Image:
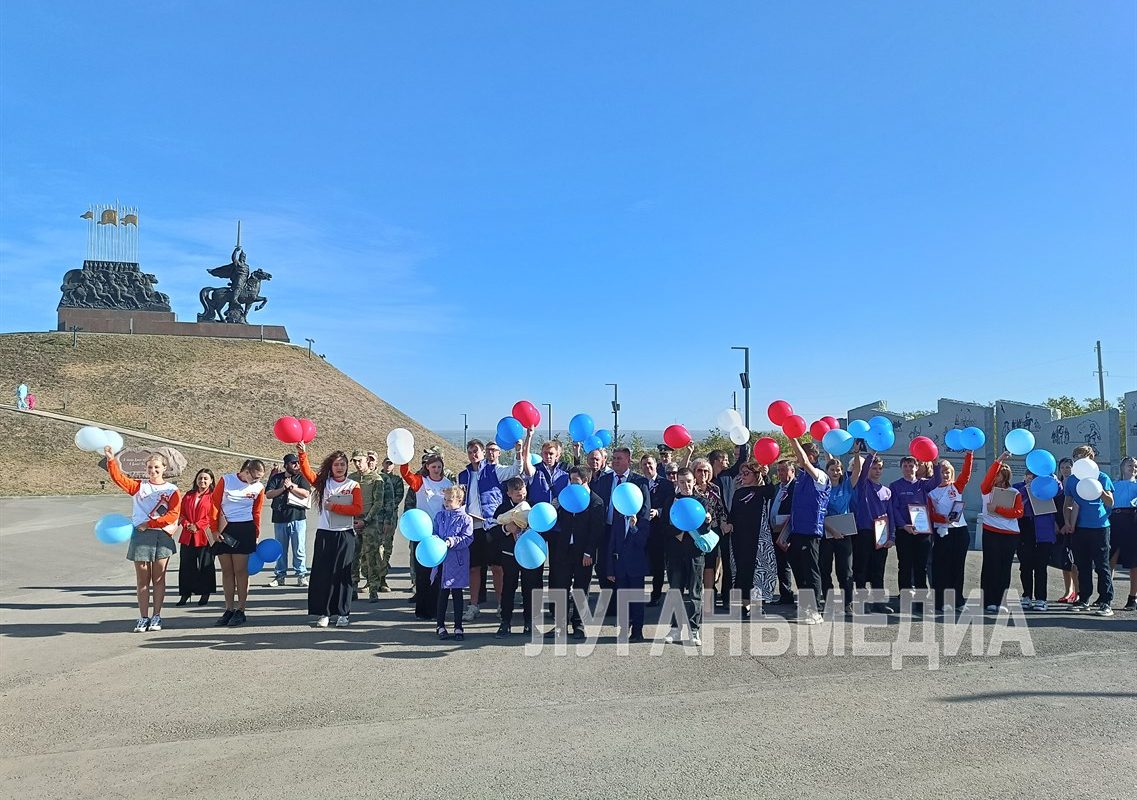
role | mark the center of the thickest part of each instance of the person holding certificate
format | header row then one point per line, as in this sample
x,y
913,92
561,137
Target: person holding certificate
x,y
874,534
840,528
1002,509
952,539
1038,532
908,510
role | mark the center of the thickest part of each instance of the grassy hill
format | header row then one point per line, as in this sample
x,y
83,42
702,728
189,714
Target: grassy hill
x,y
216,392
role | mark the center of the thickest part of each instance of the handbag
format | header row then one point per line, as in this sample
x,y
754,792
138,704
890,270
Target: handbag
x,y
298,502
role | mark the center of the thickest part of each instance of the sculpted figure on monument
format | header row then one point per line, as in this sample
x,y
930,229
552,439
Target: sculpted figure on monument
x,y
233,303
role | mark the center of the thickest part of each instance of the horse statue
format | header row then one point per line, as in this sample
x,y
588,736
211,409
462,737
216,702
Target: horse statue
x,y
234,302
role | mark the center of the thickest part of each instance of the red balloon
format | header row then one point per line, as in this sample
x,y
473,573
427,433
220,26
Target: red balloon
x,y
794,426
818,430
526,413
766,451
307,430
831,422
288,430
779,410
923,449
676,437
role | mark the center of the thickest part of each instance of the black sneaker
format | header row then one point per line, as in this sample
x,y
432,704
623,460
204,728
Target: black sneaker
x,y
528,629
238,619
228,615
1130,604
578,634
502,631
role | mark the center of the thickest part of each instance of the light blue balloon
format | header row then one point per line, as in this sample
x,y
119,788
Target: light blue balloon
x,y
581,427
415,524
605,436
269,550
1019,442
1044,487
858,428
256,563
431,551
687,514
972,438
880,439
883,423
113,529
542,517
1041,463
509,429
504,442
574,498
837,442
628,499
592,443
954,439
534,459
530,550
707,542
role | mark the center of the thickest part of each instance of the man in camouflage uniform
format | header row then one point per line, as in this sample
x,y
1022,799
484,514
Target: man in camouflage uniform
x,y
382,518
364,475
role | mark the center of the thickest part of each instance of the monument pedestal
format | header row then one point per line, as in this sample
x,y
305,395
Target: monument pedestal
x,y
161,323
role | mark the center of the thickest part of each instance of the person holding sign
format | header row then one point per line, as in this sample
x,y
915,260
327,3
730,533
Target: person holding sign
x,y
874,534
1038,532
908,510
1002,509
952,539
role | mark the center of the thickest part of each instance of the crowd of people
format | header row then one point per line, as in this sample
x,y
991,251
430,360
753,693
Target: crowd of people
x,y
806,530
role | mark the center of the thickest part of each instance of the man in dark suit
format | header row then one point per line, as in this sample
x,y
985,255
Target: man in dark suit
x,y
625,561
662,493
572,553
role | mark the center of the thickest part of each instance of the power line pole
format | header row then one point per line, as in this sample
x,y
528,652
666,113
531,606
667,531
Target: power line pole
x,y
1101,378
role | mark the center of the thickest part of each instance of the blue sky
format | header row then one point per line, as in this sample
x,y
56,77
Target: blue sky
x,y
884,200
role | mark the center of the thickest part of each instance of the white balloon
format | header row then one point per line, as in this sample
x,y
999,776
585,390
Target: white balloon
x,y
1086,468
91,439
114,439
401,436
728,419
740,434
400,453
1089,488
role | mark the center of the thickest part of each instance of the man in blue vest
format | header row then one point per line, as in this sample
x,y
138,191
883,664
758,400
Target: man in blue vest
x,y
482,479
624,556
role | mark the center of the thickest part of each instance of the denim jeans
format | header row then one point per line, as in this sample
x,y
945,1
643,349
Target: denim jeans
x,y
291,533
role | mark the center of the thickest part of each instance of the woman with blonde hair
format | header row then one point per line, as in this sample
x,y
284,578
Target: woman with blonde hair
x,y
237,502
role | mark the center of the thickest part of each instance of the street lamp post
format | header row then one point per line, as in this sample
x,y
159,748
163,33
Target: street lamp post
x,y
465,428
744,376
550,419
615,410
310,343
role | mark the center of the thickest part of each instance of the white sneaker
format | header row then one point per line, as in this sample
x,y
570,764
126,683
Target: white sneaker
x,y
812,618
156,622
140,626
1004,610
992,609
277,581
322,622
695,640
1026,603
303,581
673,637
1040,605
1104,610
342,621
471,613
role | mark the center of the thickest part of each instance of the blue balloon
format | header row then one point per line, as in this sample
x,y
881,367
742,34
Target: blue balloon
x,y
1041,463
416,525
534,459
574,498
113,529
256,563
431,551
542,517
972,438
858,428
880,422
880,439
592,443
837,442
530,550
1044,487
706,542
581,427
1019,442
954,439
605,436
509,430
628,499
269,550
687,514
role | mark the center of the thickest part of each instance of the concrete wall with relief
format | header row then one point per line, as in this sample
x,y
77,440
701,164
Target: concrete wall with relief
x,y
1131,423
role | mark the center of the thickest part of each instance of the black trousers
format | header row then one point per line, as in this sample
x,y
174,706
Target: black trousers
x,y
868,561
1091,554
912,559
949,558
998,556
530,579
656,556
837,553
685,573
426,591
803,555
1034,558
329,583
745,544
729,579
601,568
566,572
445,595
196,571
785,576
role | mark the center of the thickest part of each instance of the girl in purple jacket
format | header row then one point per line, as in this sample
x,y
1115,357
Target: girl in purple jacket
x,y
455,527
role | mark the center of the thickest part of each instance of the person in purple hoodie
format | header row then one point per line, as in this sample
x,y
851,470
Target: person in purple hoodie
x,y
1038,533
455,527
870,507
912,548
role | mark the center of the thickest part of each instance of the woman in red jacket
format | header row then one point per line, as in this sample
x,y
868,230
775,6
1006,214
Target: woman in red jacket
x,y
196,571
1000,520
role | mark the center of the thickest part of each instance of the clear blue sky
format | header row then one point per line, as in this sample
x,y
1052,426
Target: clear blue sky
x,y
935,199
